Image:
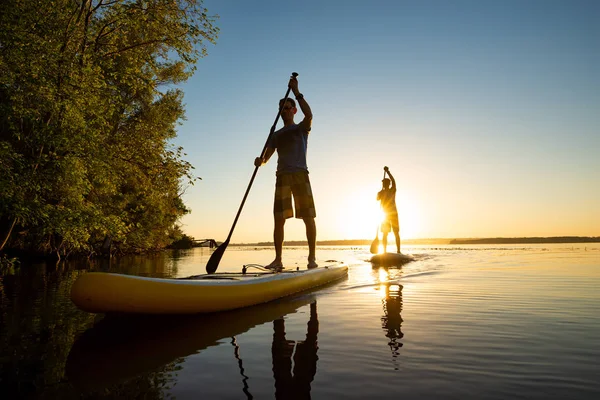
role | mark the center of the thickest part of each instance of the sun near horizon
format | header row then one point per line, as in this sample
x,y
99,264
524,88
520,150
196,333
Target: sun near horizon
x,y
359,215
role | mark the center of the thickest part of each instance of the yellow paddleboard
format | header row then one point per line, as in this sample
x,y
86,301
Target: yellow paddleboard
x,y
99,292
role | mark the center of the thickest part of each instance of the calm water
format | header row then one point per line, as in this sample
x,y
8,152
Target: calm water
x,y
461,322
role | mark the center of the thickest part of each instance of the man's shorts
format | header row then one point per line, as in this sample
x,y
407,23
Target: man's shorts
x,y
390,223
294,184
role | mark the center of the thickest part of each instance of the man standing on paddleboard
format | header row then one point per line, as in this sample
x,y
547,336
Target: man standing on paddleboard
x,y
387,197
291,143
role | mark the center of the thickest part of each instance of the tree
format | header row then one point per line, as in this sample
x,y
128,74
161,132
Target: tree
x,y
87,111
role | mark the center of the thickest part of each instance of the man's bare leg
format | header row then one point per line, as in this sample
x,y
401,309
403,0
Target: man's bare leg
x,y
311,237
278,241
384,241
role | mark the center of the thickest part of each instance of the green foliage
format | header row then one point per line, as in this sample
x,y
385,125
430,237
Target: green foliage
x,y
180,240
8,265
87,111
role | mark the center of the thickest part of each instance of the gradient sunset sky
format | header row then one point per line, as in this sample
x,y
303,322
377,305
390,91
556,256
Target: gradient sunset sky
x,y
486,112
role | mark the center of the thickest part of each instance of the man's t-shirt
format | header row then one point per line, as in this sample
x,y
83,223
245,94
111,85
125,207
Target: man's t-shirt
x,y
291,143
388,200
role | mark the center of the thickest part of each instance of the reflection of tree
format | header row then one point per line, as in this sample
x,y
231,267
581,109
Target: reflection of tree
x,y
295,384
160,265
38,327
391,321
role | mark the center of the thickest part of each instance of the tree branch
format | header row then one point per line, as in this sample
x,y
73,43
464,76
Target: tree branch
x,y
8,233
133,46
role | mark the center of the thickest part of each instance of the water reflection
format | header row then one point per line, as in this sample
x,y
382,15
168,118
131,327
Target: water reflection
x,y
159,265
37,325
294,382
123,353
391,320
120,347
236,353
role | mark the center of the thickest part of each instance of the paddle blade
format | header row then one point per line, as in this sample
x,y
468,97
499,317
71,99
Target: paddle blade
x,y
375,246
215,258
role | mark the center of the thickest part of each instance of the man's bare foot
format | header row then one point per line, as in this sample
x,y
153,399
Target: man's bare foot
x,y
276,265
312,264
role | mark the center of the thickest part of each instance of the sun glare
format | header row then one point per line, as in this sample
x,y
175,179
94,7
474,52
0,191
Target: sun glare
x,y
360,216
383,275
409,216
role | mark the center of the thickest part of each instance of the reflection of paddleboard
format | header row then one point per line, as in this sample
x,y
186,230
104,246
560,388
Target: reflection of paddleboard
x,y
391,259
99,292
119,347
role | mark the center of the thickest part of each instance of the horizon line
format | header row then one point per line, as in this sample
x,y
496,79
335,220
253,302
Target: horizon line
x,y
469,240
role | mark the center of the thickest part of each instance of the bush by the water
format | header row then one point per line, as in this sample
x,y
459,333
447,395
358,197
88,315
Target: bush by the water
x,y
87,111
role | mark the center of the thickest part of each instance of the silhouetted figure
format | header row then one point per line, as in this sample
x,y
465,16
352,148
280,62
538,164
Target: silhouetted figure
x,y
291,143
296,384
387,197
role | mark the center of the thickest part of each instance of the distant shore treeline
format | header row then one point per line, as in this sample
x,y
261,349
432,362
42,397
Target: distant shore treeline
x,y
498,240
88,106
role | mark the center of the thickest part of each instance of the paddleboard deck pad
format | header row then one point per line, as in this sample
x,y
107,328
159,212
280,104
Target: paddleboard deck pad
x,y
100,292
391,259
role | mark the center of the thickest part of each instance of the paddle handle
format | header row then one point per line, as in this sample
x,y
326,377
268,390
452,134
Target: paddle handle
x,y
287,94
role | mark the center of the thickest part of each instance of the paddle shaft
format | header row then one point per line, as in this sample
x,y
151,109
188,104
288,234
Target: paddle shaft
x,y
375,242
378,225
384,172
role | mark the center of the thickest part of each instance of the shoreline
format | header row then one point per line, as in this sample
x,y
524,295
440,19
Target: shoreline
x,y
441,241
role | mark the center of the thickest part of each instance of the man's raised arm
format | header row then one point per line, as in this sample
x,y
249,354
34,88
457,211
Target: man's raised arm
x,y
391,177
307,121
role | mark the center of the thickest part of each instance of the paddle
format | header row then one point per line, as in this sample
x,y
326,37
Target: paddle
x,y
215,258
375,245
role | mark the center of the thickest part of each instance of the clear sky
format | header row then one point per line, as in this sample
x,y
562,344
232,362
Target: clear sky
x,y
486,112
